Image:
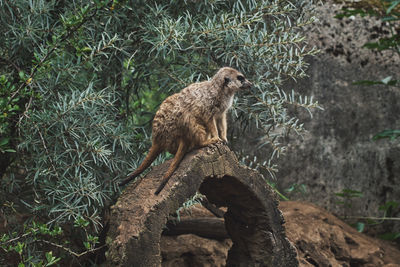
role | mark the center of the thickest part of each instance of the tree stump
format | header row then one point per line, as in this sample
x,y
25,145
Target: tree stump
x,y
253,220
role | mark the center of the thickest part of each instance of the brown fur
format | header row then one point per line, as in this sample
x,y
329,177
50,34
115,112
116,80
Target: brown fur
x,y
192,118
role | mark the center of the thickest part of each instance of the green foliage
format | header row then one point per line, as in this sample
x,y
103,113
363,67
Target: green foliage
x,y
391,134
384,43
81,80
385,81
186,206
389,236
301,188
41,236
293,189
348,12
75,140
282,196
347,196
388,208
10,108
33,234
360,226
387,11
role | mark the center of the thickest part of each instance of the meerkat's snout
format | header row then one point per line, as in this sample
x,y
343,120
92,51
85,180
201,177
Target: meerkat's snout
x,y
245,84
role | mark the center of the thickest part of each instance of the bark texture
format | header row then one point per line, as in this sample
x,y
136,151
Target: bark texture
x,y
253,220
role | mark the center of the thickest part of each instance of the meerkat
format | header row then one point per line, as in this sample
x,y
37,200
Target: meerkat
x,y
191,119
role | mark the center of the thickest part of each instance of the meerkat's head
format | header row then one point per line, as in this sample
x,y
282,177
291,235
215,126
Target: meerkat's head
x,y
231,80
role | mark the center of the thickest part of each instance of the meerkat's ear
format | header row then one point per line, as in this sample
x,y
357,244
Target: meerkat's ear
x,y
226,80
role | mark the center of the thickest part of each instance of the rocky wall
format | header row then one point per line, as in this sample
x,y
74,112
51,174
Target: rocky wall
x,y
338,152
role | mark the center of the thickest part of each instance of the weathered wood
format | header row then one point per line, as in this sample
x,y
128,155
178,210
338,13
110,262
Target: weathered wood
x,y
212,208
207,227
253,220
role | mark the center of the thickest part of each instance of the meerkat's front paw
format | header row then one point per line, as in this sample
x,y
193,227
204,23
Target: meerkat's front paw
x,y
211,141
224,140
215,140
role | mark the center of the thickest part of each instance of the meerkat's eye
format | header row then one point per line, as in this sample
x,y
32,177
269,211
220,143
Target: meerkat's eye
x,y
240,78
227,80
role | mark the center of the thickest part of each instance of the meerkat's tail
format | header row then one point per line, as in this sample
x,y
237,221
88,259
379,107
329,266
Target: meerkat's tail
x,y
154,151
180,153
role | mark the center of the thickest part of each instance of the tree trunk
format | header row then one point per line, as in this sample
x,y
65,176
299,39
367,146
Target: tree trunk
x,y
253,220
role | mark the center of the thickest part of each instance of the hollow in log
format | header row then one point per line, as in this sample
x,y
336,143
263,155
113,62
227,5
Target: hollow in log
x,y
212,228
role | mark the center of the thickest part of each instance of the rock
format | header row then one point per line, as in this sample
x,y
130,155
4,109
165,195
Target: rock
x,y
337,152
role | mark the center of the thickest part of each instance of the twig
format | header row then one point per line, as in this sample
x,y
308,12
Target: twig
x,y
69,250
25,114
17,238
54,244
373,218
47,151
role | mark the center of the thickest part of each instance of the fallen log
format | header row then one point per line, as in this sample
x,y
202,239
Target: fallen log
x,y
253,220
207,227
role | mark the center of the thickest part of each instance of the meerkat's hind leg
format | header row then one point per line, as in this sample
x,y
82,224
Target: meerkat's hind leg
x,y
203,136
180,153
